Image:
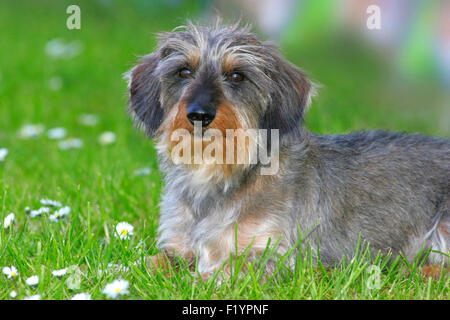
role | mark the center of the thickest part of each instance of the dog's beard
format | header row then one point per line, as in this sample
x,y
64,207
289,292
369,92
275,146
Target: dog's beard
x,y
210,156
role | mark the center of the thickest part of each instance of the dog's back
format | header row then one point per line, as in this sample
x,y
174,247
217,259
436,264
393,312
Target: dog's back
x,y
391,188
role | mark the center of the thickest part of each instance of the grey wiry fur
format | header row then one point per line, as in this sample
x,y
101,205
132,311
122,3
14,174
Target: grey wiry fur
x,y
390,189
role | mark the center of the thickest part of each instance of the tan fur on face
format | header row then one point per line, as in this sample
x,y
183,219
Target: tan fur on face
x,y
193,58
226,119
229,64
181,121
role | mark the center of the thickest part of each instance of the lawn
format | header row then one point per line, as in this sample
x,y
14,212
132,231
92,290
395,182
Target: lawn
x,y
105,184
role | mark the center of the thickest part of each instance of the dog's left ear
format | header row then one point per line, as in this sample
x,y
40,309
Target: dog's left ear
x,y
289,98
144,90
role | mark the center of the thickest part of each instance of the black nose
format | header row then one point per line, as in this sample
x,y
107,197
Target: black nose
x,y
196,112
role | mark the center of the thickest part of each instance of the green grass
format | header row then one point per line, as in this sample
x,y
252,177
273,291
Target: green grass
x,y
98,183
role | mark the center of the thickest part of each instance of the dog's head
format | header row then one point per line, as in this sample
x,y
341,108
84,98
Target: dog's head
x,y
222,77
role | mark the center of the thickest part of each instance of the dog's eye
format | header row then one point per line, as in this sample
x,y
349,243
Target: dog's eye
x,y
185,73
236,77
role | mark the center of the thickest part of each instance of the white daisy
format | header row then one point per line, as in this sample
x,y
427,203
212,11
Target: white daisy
x,y
13,294
56,133
10,272
72,143
106,138
60,214
89,120
34,297
32,281
30,131
73,49
116,288
50,203
58,49
38,212
54,217
59,273
142,172
82,296
9,219
64,211
55,48
3,154
124,230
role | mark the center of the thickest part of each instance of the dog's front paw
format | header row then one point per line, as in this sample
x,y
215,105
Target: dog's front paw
x,y
159,263
434,271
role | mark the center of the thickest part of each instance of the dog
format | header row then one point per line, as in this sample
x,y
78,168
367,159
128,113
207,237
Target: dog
x,y
389,190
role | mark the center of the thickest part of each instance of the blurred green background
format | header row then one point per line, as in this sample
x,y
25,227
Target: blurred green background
x,y
382,81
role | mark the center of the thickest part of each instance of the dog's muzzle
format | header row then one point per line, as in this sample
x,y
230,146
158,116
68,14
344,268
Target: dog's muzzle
x,y
197,112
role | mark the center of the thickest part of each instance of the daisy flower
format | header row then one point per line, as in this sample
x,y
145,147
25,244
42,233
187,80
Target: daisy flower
x,y
8,221
34,297
60,214
124,230
50,203
10,272
32,281
13,294
72,143
37,213
142,172
30,131
82,296
56,133
116,288
89,120
3,154
59,273
106,138
55,48
59,49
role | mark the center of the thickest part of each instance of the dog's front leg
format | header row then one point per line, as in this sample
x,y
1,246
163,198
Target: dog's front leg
x,y
168,260
161,261
229,259
169,257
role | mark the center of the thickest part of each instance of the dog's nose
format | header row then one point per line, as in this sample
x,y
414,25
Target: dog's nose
x,y
196,112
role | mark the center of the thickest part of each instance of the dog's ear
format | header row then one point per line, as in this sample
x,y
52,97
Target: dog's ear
x,y
289,98
144,90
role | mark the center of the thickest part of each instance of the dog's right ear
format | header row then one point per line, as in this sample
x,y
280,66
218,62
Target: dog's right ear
x,y
144,90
